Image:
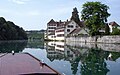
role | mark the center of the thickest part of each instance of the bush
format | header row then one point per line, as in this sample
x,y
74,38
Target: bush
x,y
115,31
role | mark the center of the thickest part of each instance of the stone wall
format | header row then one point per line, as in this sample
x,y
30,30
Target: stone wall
x,y
109,39
105,47
95,39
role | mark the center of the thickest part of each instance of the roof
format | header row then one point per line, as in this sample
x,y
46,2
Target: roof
x,y
60,24
113,23
66,23
82,24
51,21
23,64
75,31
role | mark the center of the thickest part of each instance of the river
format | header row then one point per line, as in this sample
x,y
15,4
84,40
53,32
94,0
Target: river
x,y
71,58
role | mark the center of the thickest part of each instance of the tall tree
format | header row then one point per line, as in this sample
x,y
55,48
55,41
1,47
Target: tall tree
x,y
75,16
95,15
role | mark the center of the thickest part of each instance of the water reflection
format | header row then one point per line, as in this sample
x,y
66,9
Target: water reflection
x,y
92,58
9,46
94,63
72,58
55,50
35,44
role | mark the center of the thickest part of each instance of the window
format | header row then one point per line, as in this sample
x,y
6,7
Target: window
x,y
70,26
51,36
60,35
50,30
68,30
51,27
60,31
60,46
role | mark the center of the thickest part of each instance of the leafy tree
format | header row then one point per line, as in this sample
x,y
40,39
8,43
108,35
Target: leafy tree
x,y
75,16
2,20
10,31
95,15
115,31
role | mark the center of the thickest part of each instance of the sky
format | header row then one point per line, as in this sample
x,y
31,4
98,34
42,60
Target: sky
x,y
35,14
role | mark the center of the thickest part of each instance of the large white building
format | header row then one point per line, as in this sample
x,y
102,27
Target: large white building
x,y
51,26
60,30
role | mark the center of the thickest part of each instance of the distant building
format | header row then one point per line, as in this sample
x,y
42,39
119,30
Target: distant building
x,y
113,25
60,30
51,26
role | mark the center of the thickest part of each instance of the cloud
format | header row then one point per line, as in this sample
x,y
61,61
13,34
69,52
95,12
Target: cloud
x,y
19,1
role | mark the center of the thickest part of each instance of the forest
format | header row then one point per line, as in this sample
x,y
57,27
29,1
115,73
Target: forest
x,y
10,31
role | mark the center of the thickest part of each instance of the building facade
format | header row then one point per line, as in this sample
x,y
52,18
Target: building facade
x,y
60,30
51,26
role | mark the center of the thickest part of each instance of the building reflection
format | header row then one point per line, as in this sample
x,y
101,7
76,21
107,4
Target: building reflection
x,y
55,50
91,58
61,51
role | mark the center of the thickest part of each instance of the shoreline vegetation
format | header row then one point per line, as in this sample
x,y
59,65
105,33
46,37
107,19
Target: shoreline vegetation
x,y
10,31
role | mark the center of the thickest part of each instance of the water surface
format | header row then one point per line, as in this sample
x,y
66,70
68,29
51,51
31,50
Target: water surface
x,y
71,58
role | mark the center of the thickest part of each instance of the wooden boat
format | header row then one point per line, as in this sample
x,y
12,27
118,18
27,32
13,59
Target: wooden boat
x,y
24,64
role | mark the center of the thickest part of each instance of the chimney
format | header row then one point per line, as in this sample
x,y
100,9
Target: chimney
x,y
60,21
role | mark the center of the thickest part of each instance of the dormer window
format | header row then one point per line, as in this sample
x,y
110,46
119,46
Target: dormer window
x,y
68,30
70,26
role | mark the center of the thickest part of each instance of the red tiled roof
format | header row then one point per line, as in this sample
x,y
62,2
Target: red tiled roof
x,y
113,23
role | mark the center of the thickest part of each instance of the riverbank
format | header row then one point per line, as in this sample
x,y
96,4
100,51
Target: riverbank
x,y
96,39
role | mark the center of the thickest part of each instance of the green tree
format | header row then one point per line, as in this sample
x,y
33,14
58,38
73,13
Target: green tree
x,y
75,16
10,31
115,31
95,15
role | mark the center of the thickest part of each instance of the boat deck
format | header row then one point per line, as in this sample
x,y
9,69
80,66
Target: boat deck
x,y
23,64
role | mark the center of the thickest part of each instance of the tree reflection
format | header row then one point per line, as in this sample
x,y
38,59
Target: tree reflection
x,y
88,60
8,47
35,44
115,56
74,65
94,63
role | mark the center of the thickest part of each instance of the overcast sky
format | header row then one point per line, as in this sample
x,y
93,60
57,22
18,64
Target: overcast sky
x,y
34,14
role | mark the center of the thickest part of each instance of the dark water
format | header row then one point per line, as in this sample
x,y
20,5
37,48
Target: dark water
x,y
71,58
